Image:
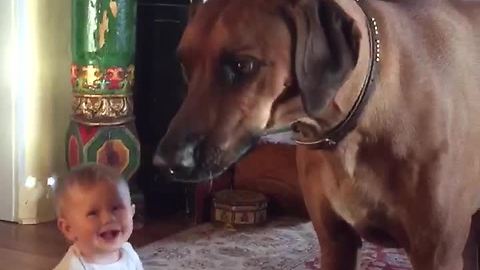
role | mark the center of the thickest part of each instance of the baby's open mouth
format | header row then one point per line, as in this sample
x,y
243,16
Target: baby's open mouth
x,y
110,235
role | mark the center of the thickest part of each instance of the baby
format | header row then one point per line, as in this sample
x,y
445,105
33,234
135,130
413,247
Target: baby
x,y
95,213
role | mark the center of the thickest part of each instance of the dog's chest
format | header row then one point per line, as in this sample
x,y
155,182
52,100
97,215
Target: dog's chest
x,y
371,218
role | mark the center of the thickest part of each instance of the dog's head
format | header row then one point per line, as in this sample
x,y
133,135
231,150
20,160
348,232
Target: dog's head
x,y
253,66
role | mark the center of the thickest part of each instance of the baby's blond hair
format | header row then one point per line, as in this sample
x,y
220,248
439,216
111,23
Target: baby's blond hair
x,y
88,174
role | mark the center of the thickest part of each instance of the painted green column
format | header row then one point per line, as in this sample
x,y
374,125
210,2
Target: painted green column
x,y
102,125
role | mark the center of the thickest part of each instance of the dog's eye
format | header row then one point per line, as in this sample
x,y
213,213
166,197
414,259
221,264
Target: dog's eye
x,y
244,66
237,70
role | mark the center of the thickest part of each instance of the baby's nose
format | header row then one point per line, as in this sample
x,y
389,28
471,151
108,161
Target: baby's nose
x,y
108,217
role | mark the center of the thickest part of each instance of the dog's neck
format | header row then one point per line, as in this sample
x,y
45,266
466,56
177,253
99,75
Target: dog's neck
x,y
349,102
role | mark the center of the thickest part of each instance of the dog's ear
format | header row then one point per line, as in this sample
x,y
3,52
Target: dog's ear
x,y
326,41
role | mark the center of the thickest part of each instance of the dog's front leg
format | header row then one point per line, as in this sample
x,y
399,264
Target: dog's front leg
x,y
339,243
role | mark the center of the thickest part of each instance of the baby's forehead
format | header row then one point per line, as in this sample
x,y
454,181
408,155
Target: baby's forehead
x,y
101,190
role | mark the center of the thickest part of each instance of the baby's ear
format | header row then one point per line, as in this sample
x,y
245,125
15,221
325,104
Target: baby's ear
x,y
66,229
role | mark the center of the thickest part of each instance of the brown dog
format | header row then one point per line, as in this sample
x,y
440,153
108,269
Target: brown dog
x,y
390,88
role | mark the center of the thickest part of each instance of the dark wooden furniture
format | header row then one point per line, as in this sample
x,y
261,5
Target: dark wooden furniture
x,y
158,93
269,169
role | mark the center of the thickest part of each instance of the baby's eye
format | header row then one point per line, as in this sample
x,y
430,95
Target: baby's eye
x,y
92,213
117,207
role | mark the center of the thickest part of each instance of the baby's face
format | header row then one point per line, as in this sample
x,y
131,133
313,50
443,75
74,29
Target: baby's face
x,y
98,219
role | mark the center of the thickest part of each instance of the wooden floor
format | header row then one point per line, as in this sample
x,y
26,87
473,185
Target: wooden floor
x,y
40,247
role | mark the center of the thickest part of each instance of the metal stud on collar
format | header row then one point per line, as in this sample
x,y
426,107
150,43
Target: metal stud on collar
x,y
373,21
377,40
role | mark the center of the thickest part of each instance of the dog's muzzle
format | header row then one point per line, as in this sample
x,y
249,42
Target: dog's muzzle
x,y
180,162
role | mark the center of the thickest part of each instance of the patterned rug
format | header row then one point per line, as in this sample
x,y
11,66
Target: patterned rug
x,y
284,244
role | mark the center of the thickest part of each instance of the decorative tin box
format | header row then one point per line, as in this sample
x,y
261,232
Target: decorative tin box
x,y
237,208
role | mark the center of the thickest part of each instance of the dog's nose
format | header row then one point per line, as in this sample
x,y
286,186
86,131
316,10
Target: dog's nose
x,y
180,163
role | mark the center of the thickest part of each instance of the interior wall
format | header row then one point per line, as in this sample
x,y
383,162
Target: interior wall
x,y
51,96
6,109
35,95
